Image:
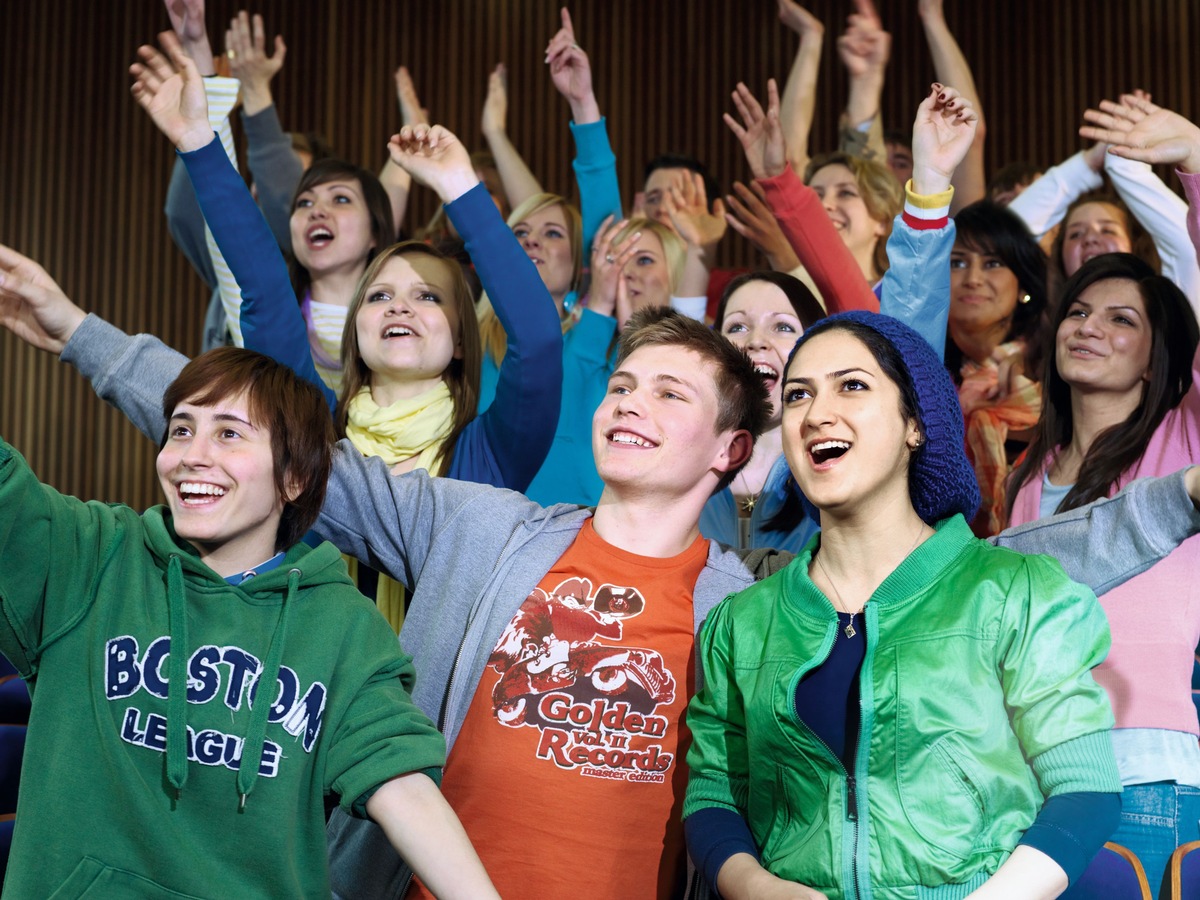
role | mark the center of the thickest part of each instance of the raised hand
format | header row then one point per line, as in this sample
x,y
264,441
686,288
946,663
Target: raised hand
x,y
245,45
411,110
942,135
799,19
33,306
864,47
435,158
759,132
609,259
571,72
1137,129
495,107
172,92
928,9
187,21
686,204
751,217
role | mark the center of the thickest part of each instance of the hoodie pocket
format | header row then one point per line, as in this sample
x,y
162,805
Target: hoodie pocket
x,y
93,879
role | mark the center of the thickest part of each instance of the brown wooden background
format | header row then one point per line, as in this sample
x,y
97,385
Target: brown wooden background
x,y
83,172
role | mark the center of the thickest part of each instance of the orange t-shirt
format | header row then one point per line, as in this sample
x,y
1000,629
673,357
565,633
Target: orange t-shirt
x,y
568,773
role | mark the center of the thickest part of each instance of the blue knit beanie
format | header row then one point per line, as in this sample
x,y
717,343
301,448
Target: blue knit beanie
x,y
941,481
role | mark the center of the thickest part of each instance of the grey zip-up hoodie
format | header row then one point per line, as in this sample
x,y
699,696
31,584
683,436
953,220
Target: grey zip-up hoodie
x,y
471,554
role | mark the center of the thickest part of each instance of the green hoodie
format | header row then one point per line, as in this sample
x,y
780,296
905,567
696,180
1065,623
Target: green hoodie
x,y
132,788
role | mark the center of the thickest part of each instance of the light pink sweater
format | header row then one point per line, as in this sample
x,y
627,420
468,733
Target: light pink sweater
x,y
1155,617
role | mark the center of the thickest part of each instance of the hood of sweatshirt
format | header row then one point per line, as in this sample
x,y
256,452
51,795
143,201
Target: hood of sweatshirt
x,y
303,567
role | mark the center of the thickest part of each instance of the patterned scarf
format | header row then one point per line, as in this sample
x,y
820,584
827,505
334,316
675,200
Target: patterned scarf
x,y
989,422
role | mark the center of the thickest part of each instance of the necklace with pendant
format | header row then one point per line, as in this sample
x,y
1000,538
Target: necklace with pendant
x,y
849,630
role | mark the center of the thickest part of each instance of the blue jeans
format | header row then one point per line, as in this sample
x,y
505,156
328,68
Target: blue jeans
x,y
1155,819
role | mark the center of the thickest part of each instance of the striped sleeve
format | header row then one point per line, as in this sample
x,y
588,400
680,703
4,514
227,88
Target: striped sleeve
x,y
926,211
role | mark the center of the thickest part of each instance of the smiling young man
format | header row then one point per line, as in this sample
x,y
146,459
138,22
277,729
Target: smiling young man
x,y
200,679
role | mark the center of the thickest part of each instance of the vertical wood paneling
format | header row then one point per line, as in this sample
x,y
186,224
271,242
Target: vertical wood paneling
x,y
83,173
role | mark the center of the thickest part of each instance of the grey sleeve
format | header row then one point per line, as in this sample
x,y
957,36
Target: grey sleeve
x,y
390,522
129,371
1107,542
185,222
276,171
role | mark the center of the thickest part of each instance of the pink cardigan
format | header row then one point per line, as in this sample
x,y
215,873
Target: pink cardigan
x,y
1155,617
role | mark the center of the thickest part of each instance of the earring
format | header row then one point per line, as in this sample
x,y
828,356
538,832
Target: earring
x,y
1025,298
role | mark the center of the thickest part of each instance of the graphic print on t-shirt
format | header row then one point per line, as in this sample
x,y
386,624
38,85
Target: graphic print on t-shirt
x,y
594,700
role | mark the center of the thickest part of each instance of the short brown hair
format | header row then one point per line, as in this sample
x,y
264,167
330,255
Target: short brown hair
x,y
743,403
279,400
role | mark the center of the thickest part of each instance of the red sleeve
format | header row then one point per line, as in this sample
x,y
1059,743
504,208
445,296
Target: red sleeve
x,y
807,227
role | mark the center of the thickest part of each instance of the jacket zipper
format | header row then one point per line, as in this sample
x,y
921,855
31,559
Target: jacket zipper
x,y
851,785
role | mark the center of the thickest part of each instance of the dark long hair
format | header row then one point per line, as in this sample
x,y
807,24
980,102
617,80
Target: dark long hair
x,y
809,312
808,309
379,209
988,228
1174,336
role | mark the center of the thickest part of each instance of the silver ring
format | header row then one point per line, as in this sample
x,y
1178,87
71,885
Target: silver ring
x,y
610,259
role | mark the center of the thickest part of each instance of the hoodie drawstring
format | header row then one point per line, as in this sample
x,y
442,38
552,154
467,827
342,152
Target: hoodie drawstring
x,y
177,761
256,731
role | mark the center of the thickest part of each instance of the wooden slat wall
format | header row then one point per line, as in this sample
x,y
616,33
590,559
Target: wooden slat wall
x,y
83,172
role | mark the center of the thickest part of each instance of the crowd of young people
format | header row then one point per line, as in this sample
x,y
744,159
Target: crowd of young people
x,y
742,631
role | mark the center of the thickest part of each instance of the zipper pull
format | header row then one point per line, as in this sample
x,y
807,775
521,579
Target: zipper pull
x,y
851,800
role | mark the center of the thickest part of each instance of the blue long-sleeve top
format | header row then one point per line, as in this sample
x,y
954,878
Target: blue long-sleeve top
x,y
568,474
503,447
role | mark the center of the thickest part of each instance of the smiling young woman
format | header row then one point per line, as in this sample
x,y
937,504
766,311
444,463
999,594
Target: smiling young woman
x,y
1122,401
820,709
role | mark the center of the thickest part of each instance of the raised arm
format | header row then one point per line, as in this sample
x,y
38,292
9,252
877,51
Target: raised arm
x,y
519,182
916,287
595,164
1141,131
951,67
185,222
516,431
701,228
396,181
171,93
796,206
800,89
128,372
864,49
1044,203
274,166
1159,209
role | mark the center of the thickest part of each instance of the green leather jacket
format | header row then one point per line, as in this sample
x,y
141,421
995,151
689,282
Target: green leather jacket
x,y
977,702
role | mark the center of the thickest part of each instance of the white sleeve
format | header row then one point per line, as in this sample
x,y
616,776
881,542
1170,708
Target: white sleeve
x,y
1163,214
1043,204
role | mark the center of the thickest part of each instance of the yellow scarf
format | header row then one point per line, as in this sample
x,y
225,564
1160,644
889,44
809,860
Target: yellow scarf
x,y
416,427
